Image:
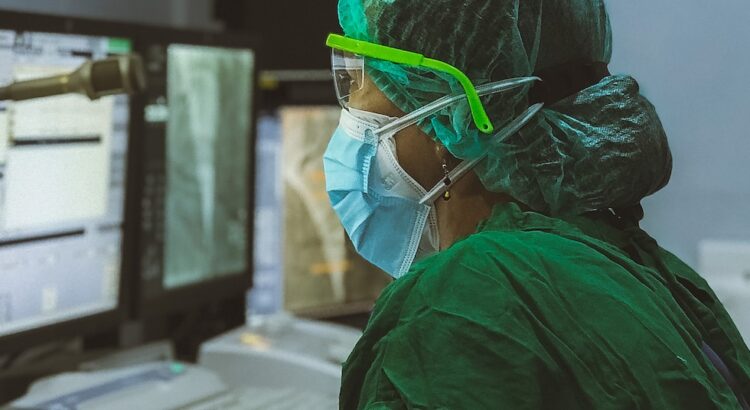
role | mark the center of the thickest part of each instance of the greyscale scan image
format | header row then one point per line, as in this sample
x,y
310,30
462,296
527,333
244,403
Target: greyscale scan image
x,y
208,143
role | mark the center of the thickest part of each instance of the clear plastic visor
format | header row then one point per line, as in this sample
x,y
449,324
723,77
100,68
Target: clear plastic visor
x,y
348,74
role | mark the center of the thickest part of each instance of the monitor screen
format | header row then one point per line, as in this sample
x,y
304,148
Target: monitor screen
x,y
195,215
62,187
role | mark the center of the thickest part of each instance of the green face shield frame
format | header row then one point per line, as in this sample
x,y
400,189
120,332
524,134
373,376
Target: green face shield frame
x,y
395,55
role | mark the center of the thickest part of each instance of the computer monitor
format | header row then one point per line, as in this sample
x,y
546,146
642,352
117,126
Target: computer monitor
x,y
196,179
63,167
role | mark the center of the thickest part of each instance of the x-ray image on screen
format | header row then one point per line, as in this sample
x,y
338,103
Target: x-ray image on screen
x,y
207,163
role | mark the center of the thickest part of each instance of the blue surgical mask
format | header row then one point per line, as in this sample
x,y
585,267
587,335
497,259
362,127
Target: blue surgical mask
x,y
390,218
376,200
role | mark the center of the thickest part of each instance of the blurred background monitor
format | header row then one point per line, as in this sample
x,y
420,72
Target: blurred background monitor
x,y
304,262
63,174
195,177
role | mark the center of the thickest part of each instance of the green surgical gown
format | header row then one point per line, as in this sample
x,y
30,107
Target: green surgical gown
x,y
533,312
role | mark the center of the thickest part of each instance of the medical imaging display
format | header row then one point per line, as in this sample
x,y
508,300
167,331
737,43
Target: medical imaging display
x,y
208,139
196,189
62,186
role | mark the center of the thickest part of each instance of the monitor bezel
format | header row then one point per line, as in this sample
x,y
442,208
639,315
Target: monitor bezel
x,y
230,285
103,321
130,305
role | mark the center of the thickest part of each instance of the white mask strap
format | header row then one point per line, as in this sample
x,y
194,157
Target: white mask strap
x,y
437,105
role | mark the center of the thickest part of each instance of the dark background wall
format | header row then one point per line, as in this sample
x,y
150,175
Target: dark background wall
x,y
293,32
196,14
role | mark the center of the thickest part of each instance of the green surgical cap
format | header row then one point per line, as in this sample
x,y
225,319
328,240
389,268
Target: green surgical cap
x,y
603,147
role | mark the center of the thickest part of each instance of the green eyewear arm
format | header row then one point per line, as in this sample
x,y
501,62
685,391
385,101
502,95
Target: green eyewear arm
x,y
409,58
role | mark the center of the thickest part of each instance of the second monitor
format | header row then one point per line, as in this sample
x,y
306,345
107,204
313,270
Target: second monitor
x,y
196,158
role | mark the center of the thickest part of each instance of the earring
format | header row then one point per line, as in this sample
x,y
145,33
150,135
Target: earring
x,y
446,180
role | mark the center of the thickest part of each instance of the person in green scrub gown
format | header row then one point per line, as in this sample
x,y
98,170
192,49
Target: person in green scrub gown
x,y
546,293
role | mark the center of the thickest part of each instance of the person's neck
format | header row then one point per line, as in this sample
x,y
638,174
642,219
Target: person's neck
x,y
469,205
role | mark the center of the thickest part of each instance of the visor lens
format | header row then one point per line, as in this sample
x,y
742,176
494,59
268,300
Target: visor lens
x,y
348,74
